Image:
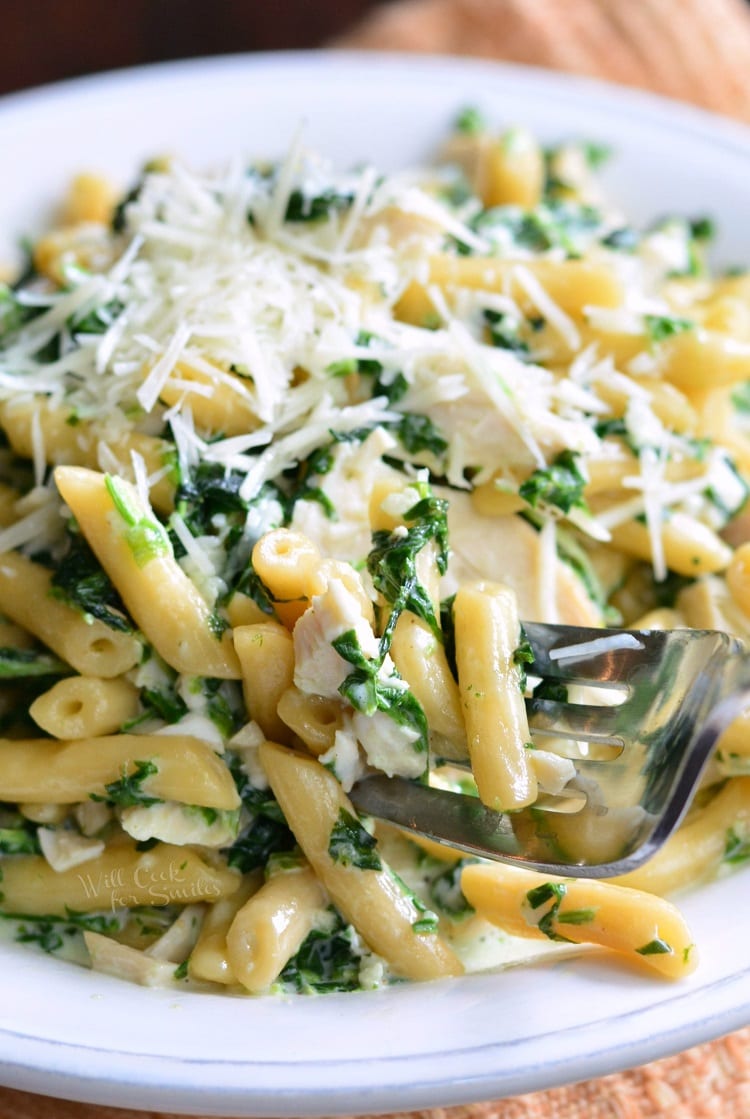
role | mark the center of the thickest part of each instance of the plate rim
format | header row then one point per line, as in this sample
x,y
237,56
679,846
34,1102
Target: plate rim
x,y
689,120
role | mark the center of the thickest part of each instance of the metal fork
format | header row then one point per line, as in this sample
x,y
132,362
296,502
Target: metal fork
x,y
638,761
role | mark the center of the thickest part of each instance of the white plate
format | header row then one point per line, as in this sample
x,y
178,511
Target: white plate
x,y
71,1033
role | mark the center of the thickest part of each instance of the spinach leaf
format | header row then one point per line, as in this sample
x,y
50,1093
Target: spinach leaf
x,y
329,960
20,839
418,433
145,536
660,327
80,581
315,207
16,664
392,562
560,484
127,792
352,845
368,692
265,830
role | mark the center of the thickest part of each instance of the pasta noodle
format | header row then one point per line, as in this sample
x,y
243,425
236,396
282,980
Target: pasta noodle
x,y
289,456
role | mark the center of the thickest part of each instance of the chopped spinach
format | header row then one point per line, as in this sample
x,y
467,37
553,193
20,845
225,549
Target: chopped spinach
x,y
446,894
736,848
49,931
522,656
20,839
623,239
265,830
303,207
661,327
14,311
18,664
329,960
551,690
145,536
95,320
392,562
418,433
576,917
207,492
554,892
127,791
565,225
251,584
470,121
302,486
655,947
352,845
80,581
561,484
741,397
504,333
368,692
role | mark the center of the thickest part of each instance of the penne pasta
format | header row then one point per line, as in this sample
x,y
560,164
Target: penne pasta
x,y
289,455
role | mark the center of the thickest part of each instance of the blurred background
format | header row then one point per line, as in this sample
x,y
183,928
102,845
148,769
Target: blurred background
x,y
696,50
45,40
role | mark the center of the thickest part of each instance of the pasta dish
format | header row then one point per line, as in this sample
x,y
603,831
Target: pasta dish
x,y
289,455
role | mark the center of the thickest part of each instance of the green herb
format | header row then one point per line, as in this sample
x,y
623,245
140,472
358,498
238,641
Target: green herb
x,y
741,397
80,581
163,703
181,971
329,960
561,484
702,228
551,690
548,892
656,947
576,917
367,692
208,492
302,488
48,931
565,225
470,121
145,536
16,664
14,311
419,433
596,154
661,327
392,562
119,217
446,894
251,584
19,840
266,830
522,656
427,922
352,845
314,207
223,705
127,791
503,331
623,240
736,848
96,320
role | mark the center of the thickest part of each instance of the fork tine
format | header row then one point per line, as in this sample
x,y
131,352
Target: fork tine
x,y
583,656
575,720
